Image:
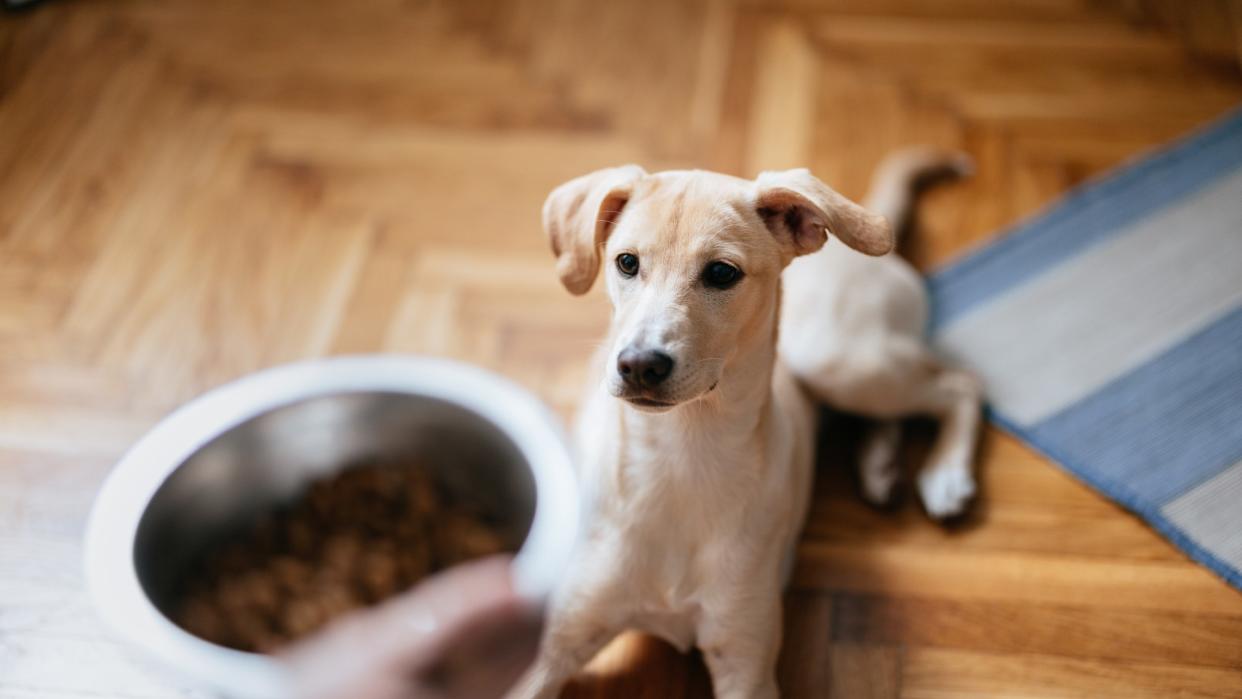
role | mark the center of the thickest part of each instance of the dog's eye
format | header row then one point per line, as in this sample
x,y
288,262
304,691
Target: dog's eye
x,y
627,264
721,275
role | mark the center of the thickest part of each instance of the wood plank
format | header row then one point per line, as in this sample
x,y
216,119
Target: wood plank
x,y
943,674
807,667
1005,576
865,671
1008,627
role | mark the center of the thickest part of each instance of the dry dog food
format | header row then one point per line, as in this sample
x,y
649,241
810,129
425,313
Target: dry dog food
x,y
351,541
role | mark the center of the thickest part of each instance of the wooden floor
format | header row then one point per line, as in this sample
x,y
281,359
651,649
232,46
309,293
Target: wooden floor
x,y
192,190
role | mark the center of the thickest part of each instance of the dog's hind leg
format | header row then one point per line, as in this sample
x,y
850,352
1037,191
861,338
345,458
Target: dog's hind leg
x,y
877,462
902,378
946,483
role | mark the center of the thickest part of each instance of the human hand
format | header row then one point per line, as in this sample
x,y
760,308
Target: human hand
x,y
460,634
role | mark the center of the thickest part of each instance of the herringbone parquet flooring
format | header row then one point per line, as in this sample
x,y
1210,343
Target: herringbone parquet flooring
x,y
190,191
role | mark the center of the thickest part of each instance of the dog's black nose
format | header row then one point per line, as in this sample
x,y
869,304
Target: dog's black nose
x,y
644,368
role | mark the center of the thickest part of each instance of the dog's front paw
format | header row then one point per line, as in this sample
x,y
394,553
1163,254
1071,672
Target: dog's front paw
x,y
529,690
946,491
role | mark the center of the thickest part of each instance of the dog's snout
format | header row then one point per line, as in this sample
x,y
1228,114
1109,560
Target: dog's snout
x,y
644,368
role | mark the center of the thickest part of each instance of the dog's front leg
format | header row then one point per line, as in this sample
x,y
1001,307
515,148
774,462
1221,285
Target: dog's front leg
x,y
581,621
740,639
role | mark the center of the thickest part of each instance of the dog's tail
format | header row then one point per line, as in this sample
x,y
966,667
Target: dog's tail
x,y
897,181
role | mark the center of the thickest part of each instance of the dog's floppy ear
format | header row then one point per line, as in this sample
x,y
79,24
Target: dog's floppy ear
x,y
798,208
578,216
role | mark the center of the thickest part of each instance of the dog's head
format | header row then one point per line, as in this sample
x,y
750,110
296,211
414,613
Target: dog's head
x,y
692,261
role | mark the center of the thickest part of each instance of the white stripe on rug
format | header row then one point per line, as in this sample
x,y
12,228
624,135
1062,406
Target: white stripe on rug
x,y
1211,514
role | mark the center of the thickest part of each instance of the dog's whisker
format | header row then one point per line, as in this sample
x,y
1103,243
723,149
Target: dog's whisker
x,y
709,361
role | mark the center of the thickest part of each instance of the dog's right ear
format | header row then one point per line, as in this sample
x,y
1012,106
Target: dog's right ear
x,y
578,216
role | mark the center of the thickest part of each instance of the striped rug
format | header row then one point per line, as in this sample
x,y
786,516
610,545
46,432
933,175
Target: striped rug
x,y
1108,331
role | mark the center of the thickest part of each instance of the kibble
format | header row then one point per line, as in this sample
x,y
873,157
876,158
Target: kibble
x,y
351,541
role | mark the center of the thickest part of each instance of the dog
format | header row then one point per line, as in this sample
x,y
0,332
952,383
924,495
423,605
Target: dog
x,y
695,443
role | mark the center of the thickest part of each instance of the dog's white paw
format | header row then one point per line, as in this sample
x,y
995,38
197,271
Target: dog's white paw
x,y
878,484
878,472
529,690
877,463
946,491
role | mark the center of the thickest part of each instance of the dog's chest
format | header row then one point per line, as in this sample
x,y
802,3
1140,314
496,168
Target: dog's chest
x,y
687,491
678,514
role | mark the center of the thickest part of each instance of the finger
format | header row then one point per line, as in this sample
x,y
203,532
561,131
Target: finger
x,y
484,655
448,599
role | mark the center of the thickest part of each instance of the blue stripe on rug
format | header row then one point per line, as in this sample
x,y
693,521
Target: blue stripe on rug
x,y
1109,333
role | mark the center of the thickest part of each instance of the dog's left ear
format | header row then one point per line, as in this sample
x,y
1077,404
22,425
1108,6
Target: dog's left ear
x,y
578,216
800,210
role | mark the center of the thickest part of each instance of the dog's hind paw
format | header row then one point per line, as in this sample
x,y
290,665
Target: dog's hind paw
x,y
946,491
877,465
878,486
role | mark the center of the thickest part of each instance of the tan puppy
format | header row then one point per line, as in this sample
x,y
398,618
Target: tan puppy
x,y
696,442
